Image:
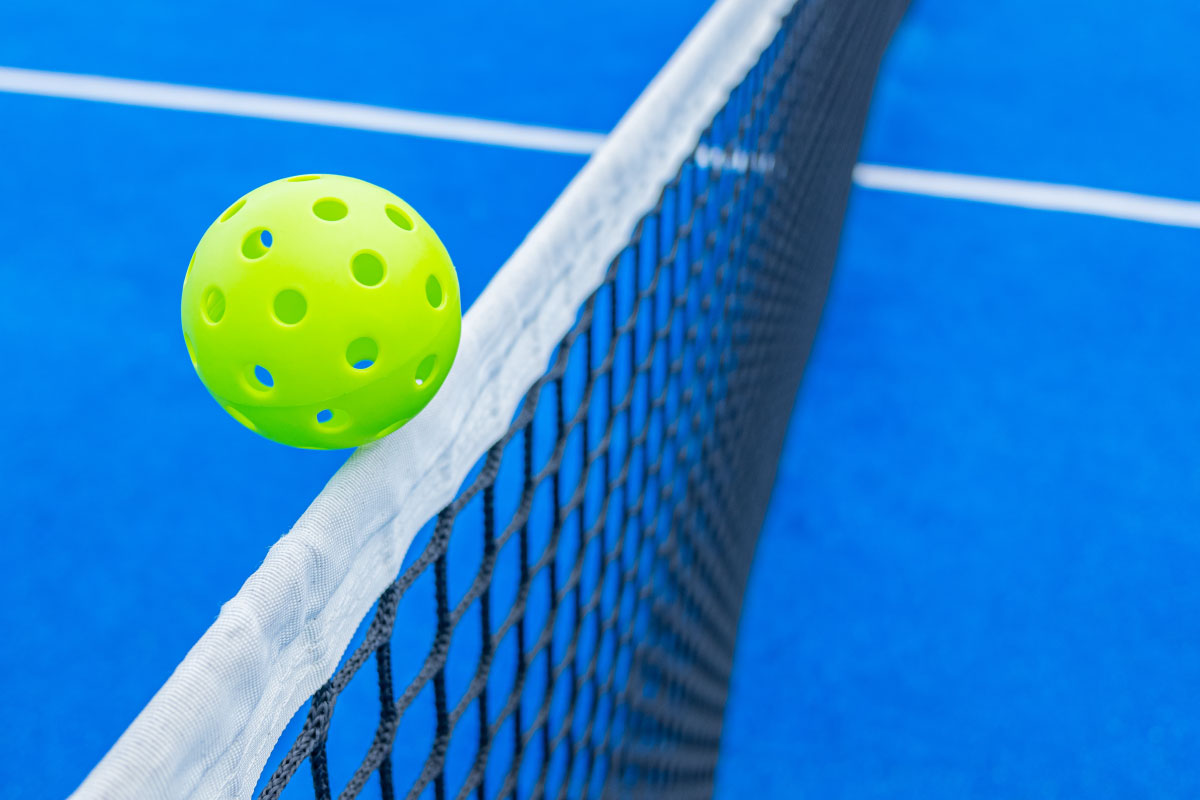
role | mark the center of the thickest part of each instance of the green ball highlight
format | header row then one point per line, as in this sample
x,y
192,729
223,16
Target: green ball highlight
x,y
321,311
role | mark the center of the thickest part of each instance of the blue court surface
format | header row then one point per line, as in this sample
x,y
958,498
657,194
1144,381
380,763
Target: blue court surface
x,y
978,574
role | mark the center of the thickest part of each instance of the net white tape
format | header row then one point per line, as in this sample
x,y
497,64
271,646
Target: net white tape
x,y
209,730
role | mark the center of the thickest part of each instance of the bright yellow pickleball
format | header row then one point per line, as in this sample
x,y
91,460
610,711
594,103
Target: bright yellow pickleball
x,y
321,311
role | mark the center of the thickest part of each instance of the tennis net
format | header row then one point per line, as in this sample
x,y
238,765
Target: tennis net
x,y
565,624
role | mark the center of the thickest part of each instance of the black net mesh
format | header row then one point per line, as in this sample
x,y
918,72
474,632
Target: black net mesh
x,y
568,628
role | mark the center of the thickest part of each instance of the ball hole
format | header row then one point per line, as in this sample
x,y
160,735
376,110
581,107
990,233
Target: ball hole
x,y
298,178
368,268
330,209
233,209
263,379
257,243
433,292
290,306
425,370
212,304
362,353
332,420
399,218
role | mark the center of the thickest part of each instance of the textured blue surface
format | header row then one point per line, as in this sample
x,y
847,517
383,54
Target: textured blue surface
x,y
1098,94
134,506
980,580
577,64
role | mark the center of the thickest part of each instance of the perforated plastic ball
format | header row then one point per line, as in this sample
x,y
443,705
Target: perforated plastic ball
x,y
321,311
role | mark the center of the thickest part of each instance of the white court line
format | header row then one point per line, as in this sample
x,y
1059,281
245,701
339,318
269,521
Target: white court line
x,y
295,109
978,188
1030,194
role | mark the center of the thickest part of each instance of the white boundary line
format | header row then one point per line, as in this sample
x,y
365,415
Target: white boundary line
x,y
977,188
334,113
1030,194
